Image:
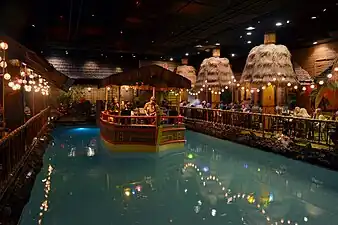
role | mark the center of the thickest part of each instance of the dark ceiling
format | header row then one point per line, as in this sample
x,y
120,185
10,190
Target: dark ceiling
x,y
166,27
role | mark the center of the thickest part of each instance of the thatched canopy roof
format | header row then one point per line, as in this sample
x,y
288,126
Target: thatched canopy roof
x,y
302,75
152,75
266,62
216,71
38,64
188,72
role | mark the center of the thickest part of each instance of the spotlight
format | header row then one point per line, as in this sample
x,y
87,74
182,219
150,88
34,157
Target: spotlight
x,y
249,42
279,24
288,21
233,55
249,33
217,44
171,59
315,42
187,54
250,28
314,17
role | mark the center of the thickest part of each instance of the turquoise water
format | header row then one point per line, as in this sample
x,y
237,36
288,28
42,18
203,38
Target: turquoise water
x,y
209,182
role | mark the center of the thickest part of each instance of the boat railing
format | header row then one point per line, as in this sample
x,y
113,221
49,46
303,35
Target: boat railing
x,y
141,120
322,132
16,147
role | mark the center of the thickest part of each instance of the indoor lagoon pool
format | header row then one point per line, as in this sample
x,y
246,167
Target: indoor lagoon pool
x,y
209,182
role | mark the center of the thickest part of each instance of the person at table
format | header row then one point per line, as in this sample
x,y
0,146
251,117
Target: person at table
x,y
114,107
151,107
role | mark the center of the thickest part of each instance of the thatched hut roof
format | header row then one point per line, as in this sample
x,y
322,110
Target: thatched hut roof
x,y
153,75
216,71
302,75
188,72
266,62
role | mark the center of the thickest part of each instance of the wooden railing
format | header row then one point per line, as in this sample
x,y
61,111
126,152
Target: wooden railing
x,y
15,147
311,130
141,120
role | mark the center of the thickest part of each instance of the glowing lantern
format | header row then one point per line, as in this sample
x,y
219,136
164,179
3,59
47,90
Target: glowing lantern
x,y
7,76
3,45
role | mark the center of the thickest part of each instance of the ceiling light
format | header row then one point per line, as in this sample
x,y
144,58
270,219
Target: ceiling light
x,y
288,21
217,44
329,75
187,54
250,28
249,33
121,32
279,24
134,56
312,86
240,36
314,17
233,55
315,42
121,56
66,52
198,53
259,22
93,15
171,59
33,25
152,41
199,46
324,10
249,42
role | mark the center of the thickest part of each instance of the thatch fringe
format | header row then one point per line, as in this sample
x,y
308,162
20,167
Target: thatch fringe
x,y
188,72
268,62
216,71
302,75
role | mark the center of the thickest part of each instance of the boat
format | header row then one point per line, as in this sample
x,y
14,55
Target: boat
x,y
139,133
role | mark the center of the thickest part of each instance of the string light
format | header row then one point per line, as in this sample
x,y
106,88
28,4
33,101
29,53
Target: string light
x,y
321,82
329,75
304,88
289,84
7,76
312,86
269,84
295,87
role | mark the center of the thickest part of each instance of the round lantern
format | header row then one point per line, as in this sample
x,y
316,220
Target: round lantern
x,y
7,76
11,84
3,45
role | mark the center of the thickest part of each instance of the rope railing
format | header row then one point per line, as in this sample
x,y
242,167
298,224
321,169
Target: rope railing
x,y
299,129
16,145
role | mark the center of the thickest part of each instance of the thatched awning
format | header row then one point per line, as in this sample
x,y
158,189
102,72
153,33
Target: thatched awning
x,y
188,72
216,71
38,64
302,75
269,63
153,75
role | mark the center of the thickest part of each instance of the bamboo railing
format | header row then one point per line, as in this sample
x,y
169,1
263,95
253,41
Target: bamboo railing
x,y
297,128
16,146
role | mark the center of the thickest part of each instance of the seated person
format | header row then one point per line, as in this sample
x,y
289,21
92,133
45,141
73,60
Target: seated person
x,y
114,107
151,108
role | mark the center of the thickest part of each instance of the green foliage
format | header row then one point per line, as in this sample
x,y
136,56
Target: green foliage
x,y
317,95
72,96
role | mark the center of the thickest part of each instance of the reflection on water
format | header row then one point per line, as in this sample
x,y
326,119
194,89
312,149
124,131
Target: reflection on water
x,y
209,182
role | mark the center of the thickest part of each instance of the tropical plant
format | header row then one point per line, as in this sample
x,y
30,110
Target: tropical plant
x,y
72,96
317,95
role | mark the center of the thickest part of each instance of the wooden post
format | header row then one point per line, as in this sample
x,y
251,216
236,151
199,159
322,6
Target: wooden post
x,y
120,100
154,92
106,98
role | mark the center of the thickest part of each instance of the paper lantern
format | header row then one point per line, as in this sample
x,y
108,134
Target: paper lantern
x,y
7,76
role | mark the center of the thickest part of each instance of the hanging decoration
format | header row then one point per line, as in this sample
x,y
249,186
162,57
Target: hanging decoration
x,y
28,80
